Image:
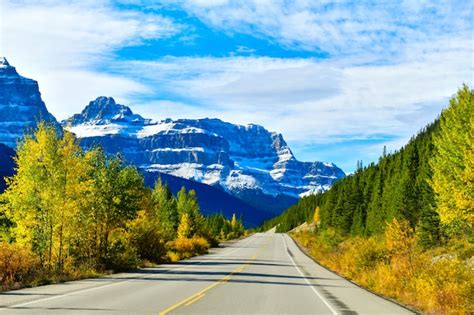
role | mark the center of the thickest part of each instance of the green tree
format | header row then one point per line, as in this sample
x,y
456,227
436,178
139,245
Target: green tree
x,y
187,203
165,208
115,198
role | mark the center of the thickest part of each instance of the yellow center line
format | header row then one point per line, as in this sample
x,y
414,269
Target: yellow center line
x,y
198,295
195,299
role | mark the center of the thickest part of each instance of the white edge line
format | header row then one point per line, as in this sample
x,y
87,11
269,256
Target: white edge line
x,y
108,285
62,295
306,279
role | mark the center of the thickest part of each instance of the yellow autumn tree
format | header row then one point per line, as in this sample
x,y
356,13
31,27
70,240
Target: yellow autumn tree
x,y
45,195
317,216
184,228
453,163
399,237
234,223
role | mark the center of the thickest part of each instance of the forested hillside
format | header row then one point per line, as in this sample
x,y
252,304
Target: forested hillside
x,y
402,185
404,226
395,187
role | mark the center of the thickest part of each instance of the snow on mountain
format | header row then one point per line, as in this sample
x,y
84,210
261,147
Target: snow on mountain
x,y
21,106
246,161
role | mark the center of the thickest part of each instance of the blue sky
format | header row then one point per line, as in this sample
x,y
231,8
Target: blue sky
x,y
339,79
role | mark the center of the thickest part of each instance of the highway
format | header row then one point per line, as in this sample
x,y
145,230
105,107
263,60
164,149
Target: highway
x,y
265,273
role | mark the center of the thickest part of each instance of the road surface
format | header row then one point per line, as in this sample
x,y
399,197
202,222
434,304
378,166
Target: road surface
x,y
265,273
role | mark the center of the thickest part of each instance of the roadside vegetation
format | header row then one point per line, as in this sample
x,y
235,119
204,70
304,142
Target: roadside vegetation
x,y
403,227
68,214
438,280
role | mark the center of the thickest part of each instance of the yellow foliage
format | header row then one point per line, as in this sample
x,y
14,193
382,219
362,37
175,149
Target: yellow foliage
x,y
316,216
188,247
446,285
438,281
17,264
233,222
453,163
184,228
173,256
47,192
399,237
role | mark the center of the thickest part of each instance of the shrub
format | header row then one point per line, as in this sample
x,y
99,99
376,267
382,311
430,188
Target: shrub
x,y
399,237
121,255
368,253
446,285
330,238
173,256
188,247
17,266
201,245
148,238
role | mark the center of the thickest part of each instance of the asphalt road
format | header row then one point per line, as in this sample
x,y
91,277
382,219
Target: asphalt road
x,y
262,274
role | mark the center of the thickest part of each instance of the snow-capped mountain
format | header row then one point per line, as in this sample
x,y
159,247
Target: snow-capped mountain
x,y
247,161
21,106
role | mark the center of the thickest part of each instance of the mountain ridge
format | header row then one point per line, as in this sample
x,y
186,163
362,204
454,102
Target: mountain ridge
x,y
246,161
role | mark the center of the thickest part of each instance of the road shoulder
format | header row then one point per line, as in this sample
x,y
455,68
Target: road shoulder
x,y
347,303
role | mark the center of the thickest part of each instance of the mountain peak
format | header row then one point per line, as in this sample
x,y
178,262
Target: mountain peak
x,y
108,105
21,106
104,110
4,62
6,69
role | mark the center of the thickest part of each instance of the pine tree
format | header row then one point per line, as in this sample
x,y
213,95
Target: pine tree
x,y
429,229
402,185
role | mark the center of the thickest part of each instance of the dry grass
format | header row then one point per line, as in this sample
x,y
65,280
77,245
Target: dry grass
x,y
438,281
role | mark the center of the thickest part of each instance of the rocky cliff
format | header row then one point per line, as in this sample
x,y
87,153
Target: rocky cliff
x,y
21,106
249,162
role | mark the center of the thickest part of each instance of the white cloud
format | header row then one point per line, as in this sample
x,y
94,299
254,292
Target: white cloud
x,y
311,100
69,91
62,44
338,27
245,50
390,67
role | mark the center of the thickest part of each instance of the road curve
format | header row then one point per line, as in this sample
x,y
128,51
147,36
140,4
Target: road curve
x,y
265,273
